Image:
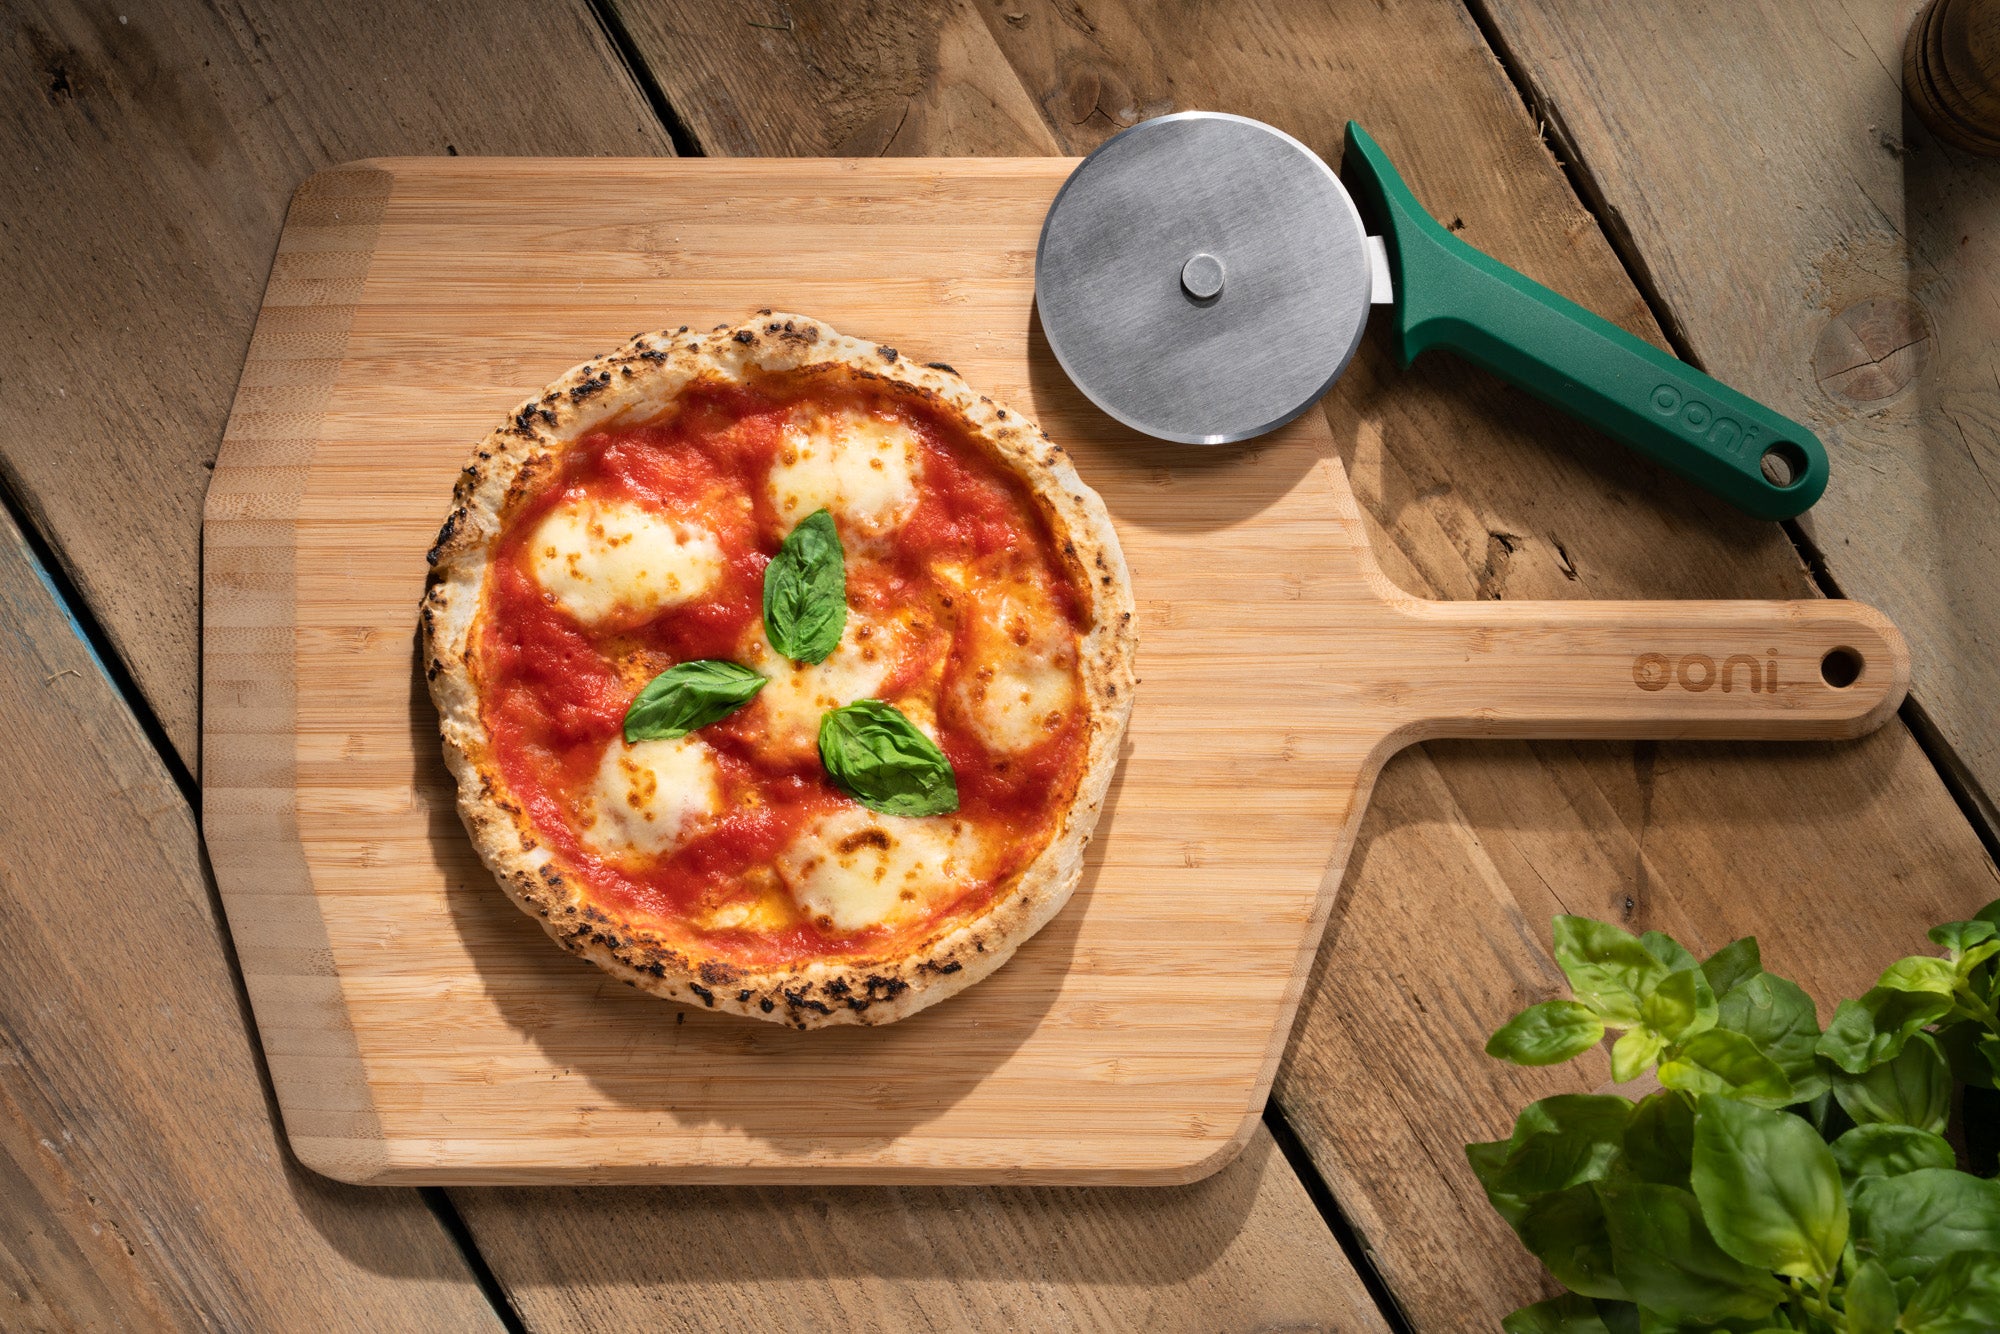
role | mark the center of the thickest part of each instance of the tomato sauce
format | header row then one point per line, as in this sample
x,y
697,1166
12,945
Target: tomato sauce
x,y
554,692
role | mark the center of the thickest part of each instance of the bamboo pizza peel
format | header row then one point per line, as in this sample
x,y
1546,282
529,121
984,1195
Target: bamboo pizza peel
x,y
420,1029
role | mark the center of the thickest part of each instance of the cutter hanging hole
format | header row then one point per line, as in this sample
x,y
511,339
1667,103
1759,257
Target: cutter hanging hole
x,y
1784,464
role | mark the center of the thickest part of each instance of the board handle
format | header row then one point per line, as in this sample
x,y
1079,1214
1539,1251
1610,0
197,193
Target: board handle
x,y
1650,670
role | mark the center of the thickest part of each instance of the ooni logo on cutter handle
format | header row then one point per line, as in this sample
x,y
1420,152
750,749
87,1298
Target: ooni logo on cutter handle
x,y
1205,278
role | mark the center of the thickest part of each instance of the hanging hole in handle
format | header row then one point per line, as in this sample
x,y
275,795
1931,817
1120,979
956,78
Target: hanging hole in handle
x,y
1784,464
1840,668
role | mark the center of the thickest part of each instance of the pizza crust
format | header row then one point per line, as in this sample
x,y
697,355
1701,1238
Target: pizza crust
x,y
639,379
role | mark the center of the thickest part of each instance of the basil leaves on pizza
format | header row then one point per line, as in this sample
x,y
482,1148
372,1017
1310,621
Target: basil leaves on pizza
x,y
878,757
805,591
687,696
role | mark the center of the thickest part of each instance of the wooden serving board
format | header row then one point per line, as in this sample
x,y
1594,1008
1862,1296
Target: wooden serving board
x,y
419,1028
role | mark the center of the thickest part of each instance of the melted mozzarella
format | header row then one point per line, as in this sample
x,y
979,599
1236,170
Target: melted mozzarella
x,y
856,868
1018,679
606,561
648,796
861,467
789,709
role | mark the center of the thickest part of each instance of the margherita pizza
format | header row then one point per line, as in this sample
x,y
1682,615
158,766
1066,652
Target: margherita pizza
x,y
779,675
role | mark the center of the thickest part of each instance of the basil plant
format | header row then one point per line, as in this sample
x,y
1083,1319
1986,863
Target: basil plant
x,y
1782,1178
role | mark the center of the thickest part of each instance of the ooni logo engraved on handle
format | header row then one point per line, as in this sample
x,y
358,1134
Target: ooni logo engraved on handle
x,y
1697,672
1699,418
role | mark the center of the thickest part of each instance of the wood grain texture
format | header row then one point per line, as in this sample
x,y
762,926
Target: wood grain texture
x,y
1243,1250
1100,1053
1838,262
150,159
1471,490
143,1181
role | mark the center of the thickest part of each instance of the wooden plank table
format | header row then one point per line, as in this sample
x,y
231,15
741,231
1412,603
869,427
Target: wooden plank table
x,y
144,1180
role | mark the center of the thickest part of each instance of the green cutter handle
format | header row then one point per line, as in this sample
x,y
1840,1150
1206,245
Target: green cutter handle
x,y
1451,295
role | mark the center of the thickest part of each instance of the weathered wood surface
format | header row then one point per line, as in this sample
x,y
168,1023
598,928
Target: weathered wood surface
x,y
1441,931
1243,1250
150,156
144,1183
1818,247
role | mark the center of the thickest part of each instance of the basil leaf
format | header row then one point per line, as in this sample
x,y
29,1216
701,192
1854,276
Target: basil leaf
x,y
1911,1222
878,757
1769,1188
1567,1314
1608,969
805,591
1914,1089
1668,950
1565,1231
1958,937
1919,972
1720,1061
1659,1140
1680,1004
1780,1019
1990,913
687,696
1962,1296
1557,1143
1872,1307
1734,962
1547,1034
1634,1053
1873,1029
1670,1263
1888,1151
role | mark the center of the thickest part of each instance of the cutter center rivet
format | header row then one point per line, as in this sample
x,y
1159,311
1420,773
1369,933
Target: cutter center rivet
x,y
1201,276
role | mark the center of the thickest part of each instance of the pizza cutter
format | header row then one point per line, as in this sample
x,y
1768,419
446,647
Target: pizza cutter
x,y
1205,278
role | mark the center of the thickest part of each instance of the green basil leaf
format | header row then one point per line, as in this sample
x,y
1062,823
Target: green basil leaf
x,y
1634,1053
1974,955
1990,913
1567,1314
1989,1047
878,757
805,591
1565,1231
1958,937
1734,962
1721,1061
1608,969
687,696
1669,1262
1912,1221
1557,1143
1668,951
1547,1034
1679,1004
1769,1188
1962,1296
1873,1029
1659,1139
1884,1150
1920,972
1779,1018
1872,1307
1914,1089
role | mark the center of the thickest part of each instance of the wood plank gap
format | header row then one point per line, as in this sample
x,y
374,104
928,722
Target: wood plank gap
x,y
83,620
1966,791
1549,122
620,38
440,1203
1352,1244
